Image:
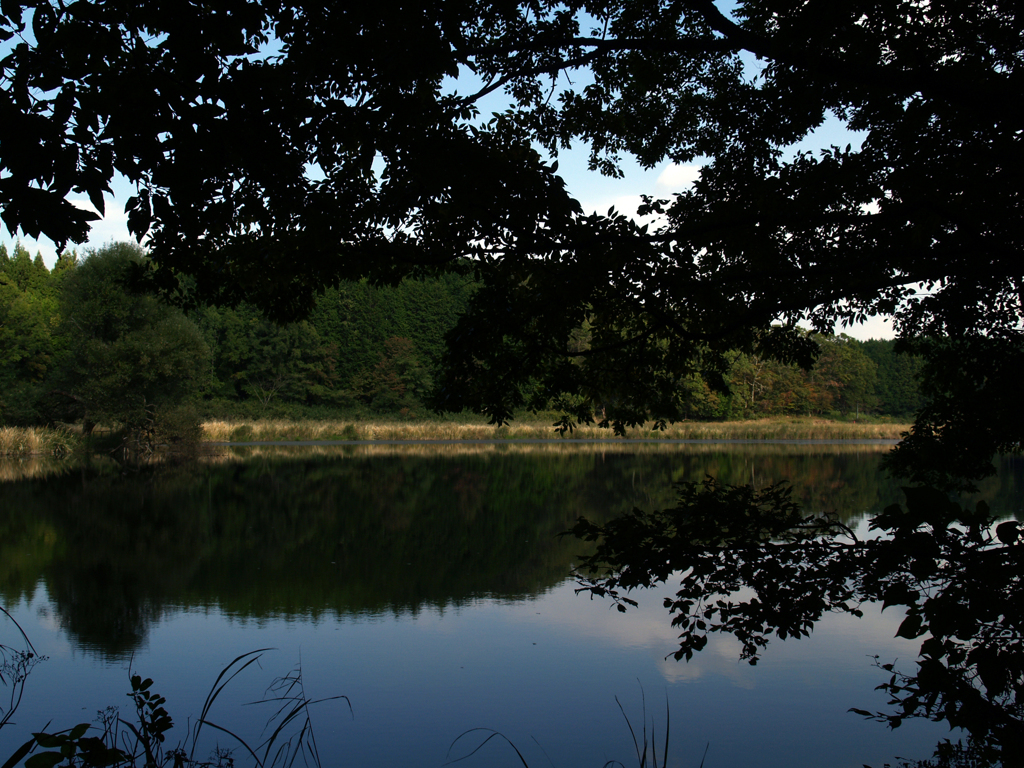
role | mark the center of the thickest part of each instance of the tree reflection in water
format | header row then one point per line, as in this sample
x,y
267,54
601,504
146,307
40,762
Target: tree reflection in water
x,y
957,575
338,534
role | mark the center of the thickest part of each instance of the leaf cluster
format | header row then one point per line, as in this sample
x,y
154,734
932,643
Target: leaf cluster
x,y
719,539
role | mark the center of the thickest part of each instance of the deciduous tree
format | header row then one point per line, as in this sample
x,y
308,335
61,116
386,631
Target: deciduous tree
x,y
128,353
398,382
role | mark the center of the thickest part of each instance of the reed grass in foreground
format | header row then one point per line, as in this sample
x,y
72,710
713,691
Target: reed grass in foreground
x,y
764,429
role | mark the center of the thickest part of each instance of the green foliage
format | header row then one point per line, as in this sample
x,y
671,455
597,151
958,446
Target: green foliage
x,y
359,319
347,352
342,356
74,344
128,355
842,380
899,372
255,358
971,412
398,381
28,316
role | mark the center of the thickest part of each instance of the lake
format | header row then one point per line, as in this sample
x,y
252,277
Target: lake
x,y
428,585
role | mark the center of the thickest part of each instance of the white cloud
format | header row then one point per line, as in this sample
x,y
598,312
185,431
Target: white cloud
x,y
676,177
112,227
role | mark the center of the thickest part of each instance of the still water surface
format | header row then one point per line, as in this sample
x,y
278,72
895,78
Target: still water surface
x,y
428,585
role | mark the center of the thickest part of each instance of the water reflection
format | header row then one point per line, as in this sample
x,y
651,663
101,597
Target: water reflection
x,y
429,585
364,531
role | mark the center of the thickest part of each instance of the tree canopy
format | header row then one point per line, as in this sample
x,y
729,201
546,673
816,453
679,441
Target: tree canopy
x,y
126,353
279,147
363,348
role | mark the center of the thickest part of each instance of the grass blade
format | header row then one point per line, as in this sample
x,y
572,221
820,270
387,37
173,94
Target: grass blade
x,y
668,724
237,738
150,759
481,744
218,686
20,753
22,631
636,746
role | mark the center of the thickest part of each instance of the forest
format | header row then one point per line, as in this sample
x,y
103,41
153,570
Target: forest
x,y
87,341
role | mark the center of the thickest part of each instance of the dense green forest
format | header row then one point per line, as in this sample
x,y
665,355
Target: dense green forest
x,y
83,342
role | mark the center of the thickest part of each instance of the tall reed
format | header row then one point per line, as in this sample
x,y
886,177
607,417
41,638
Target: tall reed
x,y
36,441
764,429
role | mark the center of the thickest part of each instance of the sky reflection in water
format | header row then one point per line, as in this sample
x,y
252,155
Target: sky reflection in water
x,y
543,670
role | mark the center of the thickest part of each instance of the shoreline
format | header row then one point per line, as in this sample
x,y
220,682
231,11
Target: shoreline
x,y
62,441
554,441
802,428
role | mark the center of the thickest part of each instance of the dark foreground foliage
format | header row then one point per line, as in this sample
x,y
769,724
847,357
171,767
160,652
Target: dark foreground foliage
x,y
386,160
141,740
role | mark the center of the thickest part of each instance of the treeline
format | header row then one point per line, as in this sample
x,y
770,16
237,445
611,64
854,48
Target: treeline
x,y
80,343
363,347
850,378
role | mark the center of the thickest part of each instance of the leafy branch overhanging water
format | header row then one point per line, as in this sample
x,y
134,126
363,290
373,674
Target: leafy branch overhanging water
x,y
958,576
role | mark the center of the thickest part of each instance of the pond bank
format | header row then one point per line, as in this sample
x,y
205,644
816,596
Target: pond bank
x,y
61,441
38,441
762,429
